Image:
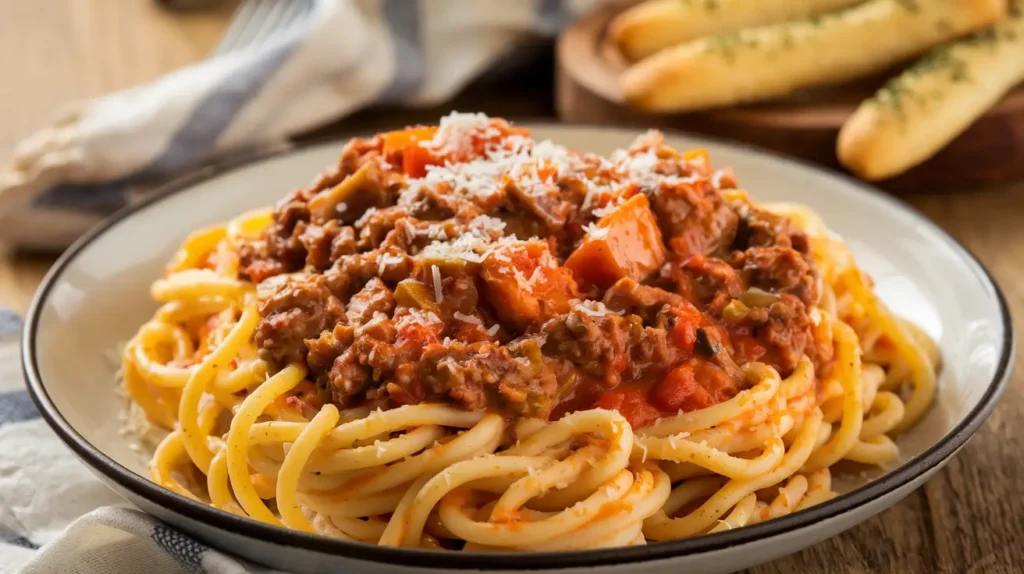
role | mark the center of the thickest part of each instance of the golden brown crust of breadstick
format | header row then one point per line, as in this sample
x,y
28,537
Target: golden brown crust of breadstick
x,y
770,61
917,113
651,26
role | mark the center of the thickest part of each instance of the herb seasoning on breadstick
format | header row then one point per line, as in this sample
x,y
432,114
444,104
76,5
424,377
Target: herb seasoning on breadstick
x,y
917,113
657,24
771,61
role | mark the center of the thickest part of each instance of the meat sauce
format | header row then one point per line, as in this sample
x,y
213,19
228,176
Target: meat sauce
x,y
468,263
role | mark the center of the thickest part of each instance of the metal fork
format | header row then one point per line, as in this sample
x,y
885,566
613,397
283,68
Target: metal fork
x,y
255,20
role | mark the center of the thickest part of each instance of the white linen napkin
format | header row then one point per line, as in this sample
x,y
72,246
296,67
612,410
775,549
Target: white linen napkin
x,y
335,57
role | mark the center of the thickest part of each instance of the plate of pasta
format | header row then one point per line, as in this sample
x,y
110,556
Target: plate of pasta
x,y
480,345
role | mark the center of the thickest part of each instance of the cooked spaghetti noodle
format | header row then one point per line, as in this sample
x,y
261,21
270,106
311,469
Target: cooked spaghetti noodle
x,y
380,358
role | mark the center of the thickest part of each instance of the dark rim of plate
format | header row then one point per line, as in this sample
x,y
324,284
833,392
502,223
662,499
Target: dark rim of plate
x,y
143,487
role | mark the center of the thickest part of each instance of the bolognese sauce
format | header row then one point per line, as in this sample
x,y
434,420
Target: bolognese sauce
x,y
469,263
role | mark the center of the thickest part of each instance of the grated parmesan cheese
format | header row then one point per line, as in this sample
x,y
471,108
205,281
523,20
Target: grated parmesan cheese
x,y
365,217
387,261
609,208
595,309
467,318
436,273
716,178
468,247
487,223
493,330
481,179
456,131
596,232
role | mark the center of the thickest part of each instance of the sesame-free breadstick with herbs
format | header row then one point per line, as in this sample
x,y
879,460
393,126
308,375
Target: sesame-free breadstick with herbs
x,y
920,111
657,24
772,61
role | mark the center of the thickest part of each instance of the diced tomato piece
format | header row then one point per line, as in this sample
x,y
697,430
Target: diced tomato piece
x,y
261,269
470,333
679,390
406,395
748,348
417,336
684,332
631,404
628,244
620,363
525,284
684,335
694,385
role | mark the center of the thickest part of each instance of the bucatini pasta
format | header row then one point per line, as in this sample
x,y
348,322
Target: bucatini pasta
x,y
385,357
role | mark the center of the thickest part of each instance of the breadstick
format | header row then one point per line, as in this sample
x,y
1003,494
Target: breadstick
x,y
770,61
657,24
917,113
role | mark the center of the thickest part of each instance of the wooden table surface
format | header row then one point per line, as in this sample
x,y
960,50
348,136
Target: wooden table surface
x,y
969,518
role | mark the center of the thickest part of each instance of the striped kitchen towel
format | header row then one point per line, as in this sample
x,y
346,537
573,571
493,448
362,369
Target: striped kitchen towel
x,y
43,487
325,60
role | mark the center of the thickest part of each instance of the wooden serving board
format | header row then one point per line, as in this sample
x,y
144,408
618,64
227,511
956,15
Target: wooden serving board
x,y
805,125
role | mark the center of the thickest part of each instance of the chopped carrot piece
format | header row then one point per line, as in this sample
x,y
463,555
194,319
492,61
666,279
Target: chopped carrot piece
x,y
415,160
631,404
525,284
406,143
627,244
399,140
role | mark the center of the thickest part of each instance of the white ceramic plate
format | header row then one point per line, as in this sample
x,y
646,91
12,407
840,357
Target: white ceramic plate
x,y
97,295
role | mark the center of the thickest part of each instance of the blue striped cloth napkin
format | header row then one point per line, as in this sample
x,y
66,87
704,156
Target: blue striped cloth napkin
x,y
332,58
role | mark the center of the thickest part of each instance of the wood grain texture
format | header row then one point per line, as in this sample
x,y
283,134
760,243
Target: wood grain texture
x,y
806,125
968,519
55,51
